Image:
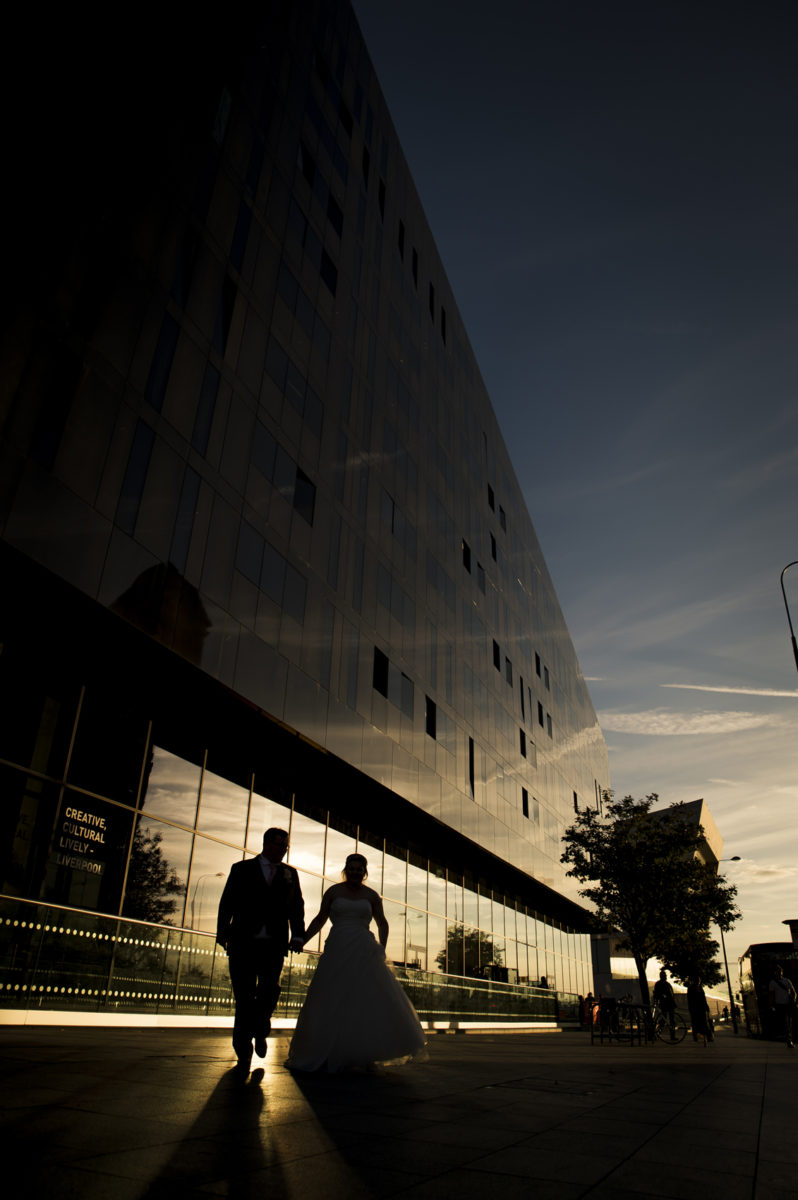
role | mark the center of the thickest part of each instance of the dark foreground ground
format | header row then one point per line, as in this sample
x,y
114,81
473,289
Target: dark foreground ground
x,y
130,1113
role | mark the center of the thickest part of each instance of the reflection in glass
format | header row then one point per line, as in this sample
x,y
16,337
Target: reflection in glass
x,y
171,788
156,880
417,940
470,907
437,890
416,886
223,809
265,814
210,865
339,845
395,914
307,844
454,947
86,850
394,881
454,899
436,941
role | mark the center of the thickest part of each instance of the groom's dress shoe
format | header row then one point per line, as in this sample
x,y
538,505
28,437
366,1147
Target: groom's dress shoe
x,y
260,1047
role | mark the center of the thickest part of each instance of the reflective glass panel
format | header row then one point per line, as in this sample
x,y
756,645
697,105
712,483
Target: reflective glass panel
x,y
454,899
470,907
311,887
171,788
395,914
417,939
454,947
27,825
156,881
265,814
210,865
39,714
394,881
223,809
307,844
339,845
437,891
110,741
436,940
416,886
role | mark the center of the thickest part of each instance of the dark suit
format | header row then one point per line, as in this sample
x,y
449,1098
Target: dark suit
x,y
248,905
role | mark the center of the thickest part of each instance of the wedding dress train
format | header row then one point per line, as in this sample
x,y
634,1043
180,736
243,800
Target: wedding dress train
x,y
355,1013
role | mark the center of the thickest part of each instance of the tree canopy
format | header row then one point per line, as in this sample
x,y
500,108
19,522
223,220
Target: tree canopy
x,y
642,872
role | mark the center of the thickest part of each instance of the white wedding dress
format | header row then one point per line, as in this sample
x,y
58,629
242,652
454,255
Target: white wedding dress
x,y
356,1013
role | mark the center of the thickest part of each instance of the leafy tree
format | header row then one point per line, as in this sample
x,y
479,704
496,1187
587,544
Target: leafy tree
x,y
472,947
641,872
151,881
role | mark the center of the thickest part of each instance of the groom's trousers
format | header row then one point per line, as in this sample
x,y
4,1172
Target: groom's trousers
x,y
255,970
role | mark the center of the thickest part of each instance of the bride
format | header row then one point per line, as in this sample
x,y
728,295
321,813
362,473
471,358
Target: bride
x,y
355,1013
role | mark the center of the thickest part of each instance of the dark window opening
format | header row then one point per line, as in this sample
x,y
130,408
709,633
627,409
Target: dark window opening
x,y
471,764
537,664
432,301
380,675
548,724
525,802
467,556
523,707
546,679
523,742
491,498
508,671
540,713
431,718
304,496
401,240
502,518
497,657
493,547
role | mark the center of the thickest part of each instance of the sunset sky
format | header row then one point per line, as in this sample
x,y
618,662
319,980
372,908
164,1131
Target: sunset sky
x,y
613,189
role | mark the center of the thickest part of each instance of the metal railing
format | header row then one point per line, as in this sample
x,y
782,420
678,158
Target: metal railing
x,y
65,959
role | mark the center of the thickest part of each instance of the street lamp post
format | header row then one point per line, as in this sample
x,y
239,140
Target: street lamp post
x,y
207,875
732,1007
789,619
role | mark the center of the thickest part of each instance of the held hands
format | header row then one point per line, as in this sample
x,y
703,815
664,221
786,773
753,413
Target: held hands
x,y
296,944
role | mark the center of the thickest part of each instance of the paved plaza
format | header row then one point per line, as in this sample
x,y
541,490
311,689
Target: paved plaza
x,y
150,1113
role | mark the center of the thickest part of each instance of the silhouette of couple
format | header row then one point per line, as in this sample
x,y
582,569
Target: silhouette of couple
x,y
355,1013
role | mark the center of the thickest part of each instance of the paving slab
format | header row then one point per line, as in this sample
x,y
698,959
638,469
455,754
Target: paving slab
x,y
140,1114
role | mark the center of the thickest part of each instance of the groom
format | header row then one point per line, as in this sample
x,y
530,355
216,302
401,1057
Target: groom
x,y
260,898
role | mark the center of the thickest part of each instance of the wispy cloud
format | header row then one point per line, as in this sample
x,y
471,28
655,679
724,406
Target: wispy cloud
x,y
734,691
663,722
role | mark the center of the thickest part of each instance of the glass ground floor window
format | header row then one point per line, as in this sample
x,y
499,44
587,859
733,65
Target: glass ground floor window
x,y
106,810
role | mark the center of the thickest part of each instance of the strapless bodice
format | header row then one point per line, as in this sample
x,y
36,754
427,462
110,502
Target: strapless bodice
x,y
348,908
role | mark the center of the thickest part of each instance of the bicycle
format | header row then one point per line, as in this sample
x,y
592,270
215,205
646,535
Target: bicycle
x,y
670,1030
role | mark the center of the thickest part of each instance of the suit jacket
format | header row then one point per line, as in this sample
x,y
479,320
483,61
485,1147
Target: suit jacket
x,y
249,903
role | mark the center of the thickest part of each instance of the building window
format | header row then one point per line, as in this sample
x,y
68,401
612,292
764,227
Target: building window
x,y
508,671
304,496
523,742
546,679
127,509
430,718
471,764
497,657
466,556
540,713
525,802
493,547
161,365
537,665
548,724
502,518
491,498
523,708
380,674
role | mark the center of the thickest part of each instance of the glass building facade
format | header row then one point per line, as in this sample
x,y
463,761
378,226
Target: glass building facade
x,y
266,559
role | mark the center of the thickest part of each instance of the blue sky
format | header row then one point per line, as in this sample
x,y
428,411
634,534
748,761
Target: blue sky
x,y
613,189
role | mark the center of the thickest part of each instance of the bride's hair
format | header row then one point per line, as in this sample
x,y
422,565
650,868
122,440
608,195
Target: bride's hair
x,y
361,858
